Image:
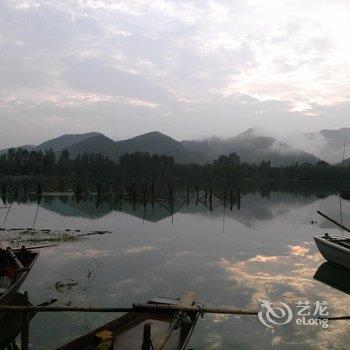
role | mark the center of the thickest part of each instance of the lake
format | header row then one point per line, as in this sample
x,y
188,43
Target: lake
x,y
263,250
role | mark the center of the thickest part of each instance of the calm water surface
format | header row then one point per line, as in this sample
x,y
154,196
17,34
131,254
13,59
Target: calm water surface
x,y
265,250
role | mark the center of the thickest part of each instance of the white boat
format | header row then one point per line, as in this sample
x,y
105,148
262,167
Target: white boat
x,y
334,249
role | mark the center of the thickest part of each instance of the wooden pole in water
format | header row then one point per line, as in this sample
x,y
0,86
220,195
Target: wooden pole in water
x,y
211,198
188,195
170,193
3,189
239,199
25,326
39,190
152,187
145,192
120,190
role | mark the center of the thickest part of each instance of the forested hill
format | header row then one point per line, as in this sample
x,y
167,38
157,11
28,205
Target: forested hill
x,y
250,146
33,163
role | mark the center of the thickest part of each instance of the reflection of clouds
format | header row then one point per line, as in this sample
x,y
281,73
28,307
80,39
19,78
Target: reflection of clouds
x,y
141,249
139,286
288,278
261,258
88,253
299,250
215,341
217,318
264,273
94,253
187,253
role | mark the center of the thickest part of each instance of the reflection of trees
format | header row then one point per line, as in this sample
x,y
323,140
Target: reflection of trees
x,y
254,207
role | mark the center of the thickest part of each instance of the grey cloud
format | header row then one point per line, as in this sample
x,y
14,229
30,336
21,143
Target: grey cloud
x,y
170,52
96,76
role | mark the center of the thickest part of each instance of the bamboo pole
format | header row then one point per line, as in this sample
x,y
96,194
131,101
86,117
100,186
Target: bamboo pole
x,y
135,308
333,221
35,247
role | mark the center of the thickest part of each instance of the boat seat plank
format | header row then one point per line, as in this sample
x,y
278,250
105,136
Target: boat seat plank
x,y
187,299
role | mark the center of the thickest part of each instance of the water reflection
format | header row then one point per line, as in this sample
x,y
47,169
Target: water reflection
x,y
267,251
252,207
334,276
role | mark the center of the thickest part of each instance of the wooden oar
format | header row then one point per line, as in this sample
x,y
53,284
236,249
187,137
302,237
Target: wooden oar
x,y
333,221
134,308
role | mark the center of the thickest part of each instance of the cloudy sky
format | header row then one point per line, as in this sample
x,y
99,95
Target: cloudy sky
x,y
186,68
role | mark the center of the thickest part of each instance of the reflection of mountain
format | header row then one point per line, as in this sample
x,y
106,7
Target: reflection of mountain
x,y
253,207
334,276
93,209
66,206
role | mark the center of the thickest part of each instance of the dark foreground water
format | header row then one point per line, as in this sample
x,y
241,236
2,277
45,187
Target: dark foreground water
x,y
265,250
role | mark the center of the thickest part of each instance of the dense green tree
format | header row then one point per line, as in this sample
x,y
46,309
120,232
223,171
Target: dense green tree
x,y
24,162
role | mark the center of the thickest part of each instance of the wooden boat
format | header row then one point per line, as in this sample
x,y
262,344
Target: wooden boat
x,y
146,329
12,323
334,276
14,268
334,249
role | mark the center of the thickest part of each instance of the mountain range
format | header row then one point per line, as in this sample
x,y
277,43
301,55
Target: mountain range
x,y
329,145
152,142
251,146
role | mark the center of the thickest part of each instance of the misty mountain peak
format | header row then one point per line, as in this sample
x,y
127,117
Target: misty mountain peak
x,y
251,132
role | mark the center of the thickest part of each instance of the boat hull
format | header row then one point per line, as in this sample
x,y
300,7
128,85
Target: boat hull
x,y
127,331
333,252
6,298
